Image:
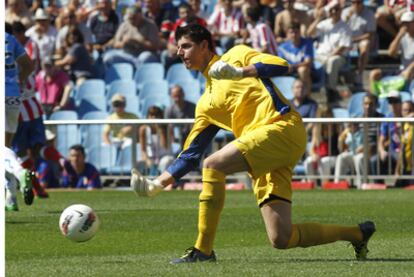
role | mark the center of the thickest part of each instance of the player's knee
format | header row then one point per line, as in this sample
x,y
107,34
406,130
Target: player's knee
x,y
211,162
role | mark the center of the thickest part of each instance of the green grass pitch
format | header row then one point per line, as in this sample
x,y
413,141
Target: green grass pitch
x,y
138,236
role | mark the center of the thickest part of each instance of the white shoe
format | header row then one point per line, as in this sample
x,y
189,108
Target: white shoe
x,y
143,186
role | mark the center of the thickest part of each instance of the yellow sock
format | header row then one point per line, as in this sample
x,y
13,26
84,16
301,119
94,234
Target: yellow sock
x,y
211,204
310,234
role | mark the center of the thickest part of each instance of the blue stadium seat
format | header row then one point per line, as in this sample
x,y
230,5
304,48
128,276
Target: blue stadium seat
x,y
64,115
124,87
124,161
411,87
91,86
103,157
340,113
91,104
148,72
284,83
91,135
355,105
66,136
191,89
318,76
152,88
132,104
178,72
119,71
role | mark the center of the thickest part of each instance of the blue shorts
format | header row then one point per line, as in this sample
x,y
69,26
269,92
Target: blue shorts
x,y
48,173
28,134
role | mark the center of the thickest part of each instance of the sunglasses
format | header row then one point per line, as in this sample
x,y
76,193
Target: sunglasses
x,y
118,104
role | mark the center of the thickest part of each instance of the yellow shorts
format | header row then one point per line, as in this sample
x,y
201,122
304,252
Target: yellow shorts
x,y
272,151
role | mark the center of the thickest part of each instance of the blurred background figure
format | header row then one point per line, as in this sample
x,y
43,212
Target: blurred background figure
x,y
79,174
180,108
120,135
155,148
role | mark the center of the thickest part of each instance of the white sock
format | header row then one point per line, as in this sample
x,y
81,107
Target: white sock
x,y
12,164
11,189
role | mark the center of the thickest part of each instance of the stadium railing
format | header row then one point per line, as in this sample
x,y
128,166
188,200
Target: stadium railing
x,y
363,122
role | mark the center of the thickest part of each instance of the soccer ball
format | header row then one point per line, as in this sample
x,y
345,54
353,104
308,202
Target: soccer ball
x,y
78,223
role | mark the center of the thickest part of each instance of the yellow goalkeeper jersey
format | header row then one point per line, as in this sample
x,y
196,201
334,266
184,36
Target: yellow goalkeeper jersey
x,y
235,105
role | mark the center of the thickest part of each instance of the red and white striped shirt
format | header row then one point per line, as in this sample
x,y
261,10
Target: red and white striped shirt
x,y
30,108
261,35
226,24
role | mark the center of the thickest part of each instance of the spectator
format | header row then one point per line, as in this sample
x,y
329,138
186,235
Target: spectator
x,y
79,174
404,164
361,20
261,36
155,149
301,101
77,57
68,19
103,25
118,134
225,24
136,40
187,16
335,39
31,47
179,109
351,146
323,147
298,51
197,9
288,16
54,87
43,34
163,13
17,11
402,44
389,143
388,15
270,9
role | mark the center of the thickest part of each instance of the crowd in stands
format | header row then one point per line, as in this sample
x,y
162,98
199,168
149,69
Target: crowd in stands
x,y
119,58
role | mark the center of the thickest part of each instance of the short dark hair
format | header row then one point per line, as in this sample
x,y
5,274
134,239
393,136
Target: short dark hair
x,y
79,148
8,28
73,30
196,33
253,13
18,27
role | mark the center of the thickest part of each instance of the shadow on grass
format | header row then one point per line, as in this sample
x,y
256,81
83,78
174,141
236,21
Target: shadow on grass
x,y
300,260
24,222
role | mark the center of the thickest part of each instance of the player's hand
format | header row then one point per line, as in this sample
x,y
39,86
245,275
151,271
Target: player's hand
x,y
143,186
222,70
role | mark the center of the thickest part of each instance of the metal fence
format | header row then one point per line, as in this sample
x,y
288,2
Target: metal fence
x,y
117,163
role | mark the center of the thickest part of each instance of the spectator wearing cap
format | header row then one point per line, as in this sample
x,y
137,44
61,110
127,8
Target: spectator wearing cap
x,y
361,20
136,41
288,16
118,134
43,34
103,25
17,10
77,173
389,142
403,45
68,19
54,87
298,51
389,15
335,39
77,58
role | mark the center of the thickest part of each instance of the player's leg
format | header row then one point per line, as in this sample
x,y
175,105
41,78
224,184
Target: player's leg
x,y
11,192
226,161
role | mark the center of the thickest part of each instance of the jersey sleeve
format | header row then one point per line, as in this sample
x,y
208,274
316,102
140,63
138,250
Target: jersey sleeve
x,y
196,143
267,65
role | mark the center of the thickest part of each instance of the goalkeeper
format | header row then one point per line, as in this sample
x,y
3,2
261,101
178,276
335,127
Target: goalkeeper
x,y
270,139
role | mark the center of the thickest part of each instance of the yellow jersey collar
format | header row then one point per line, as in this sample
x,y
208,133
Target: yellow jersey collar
x,y
210,63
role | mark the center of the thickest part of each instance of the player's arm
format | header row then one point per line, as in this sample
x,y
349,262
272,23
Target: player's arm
x,y
255,64
197,141
26,67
